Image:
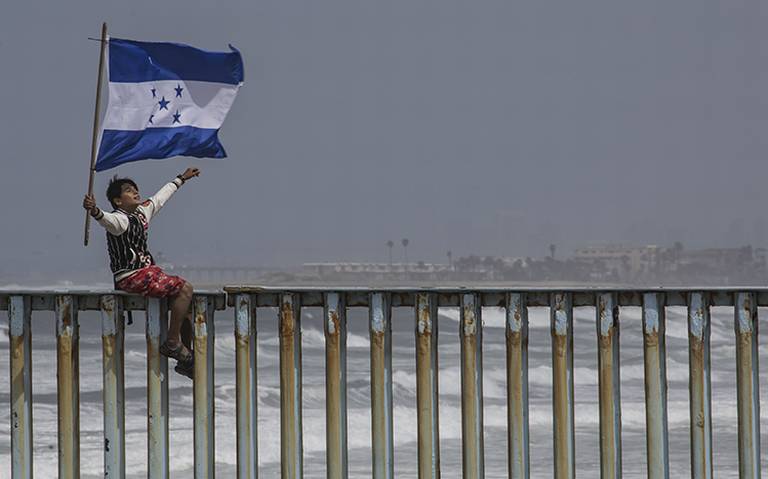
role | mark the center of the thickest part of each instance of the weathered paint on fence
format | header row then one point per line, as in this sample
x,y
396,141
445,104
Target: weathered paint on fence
x,y
655,360
335,326
291,441
158,466
112,340
382,432
700,386
426,386
609,382
202,389
247,399
562,386
20,329
517,387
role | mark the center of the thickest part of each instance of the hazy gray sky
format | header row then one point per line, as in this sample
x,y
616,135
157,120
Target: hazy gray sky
x,y
486,127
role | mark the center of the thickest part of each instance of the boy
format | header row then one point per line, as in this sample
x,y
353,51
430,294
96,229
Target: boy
x,y
132,264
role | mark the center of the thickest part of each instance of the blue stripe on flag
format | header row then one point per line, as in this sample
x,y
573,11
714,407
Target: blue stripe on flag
x,y
134,62
119,146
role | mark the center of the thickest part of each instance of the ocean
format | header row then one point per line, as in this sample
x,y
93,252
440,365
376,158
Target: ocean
x,y
404,378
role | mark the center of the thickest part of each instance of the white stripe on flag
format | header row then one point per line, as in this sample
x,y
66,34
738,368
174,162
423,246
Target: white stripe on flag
x,y
201,104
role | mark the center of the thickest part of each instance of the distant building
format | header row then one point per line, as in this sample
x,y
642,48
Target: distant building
x,y
377,271
718,258
632,260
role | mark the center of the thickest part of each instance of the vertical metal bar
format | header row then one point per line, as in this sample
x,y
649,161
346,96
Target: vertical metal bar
x,y
245,375
609,385
203,389
471,336
655,358
335,326
19,317
561,312
517,387
291,444
380,331
157,390
68,386
426,386
112,343
747,385
700,385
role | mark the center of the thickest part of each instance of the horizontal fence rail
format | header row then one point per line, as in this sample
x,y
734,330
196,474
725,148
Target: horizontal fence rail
x,y
288,304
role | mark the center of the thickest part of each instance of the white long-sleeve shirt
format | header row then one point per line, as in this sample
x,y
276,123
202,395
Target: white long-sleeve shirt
x,y
117,221
127,232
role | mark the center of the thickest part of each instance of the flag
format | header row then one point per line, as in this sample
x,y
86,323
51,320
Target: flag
x,y
166,99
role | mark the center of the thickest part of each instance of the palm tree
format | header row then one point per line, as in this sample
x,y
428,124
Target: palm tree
x,y
405,242
390,244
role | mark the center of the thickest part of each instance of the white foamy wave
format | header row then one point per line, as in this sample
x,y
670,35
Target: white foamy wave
x,y
492,317
495,317
449,381
312,338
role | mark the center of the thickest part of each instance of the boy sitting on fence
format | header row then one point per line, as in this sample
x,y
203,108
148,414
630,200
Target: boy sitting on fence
x,y
132,264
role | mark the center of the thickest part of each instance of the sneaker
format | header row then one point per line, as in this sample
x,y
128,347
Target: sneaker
x,y
186,368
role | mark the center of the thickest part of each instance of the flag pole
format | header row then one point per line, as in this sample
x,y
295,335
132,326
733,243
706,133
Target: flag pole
x,y
92,170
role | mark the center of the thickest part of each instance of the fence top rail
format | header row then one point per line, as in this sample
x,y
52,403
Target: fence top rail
x,y
489,288
44,299
448,296
491,295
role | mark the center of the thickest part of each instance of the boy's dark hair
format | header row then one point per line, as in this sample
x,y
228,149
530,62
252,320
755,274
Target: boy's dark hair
x,y
115,188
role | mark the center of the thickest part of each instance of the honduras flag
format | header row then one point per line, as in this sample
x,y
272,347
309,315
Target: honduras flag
x,y
166,100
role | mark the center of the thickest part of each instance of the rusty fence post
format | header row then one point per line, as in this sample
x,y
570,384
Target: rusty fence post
x,y
245,376
335,326
700,385
203,389
517,387
655,362
380,333
112,357
747,384
609,385
471,336
291,442
157,390
426,386
19,319
561,320
68,386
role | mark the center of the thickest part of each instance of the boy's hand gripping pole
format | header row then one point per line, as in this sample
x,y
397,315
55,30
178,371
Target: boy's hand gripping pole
x,y
95,136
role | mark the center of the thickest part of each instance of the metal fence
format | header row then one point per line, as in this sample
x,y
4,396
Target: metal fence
x,y
289,303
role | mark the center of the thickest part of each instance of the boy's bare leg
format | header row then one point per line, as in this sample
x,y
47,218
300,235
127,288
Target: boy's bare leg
x,y
179,313
186,332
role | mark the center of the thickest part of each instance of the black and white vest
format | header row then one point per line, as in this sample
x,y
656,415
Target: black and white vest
x,y
128,251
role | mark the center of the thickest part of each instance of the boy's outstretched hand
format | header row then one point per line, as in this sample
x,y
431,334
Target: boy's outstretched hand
x,y
190,173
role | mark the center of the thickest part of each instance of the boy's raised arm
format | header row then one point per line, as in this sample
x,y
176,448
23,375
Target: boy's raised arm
x,y
156,201
116,224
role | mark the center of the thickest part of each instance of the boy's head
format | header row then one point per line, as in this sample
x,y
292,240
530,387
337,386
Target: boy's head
x,y
123,193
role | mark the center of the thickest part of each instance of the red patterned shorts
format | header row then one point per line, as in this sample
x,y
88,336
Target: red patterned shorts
x,y
153,282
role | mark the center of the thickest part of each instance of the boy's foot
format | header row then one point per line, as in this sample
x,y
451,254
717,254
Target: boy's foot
x,y
186,369
178,352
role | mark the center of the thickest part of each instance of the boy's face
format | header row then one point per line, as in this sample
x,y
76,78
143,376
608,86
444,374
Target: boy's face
x,y
129,198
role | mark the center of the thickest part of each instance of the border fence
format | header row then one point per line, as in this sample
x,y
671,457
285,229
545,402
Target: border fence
x,y
425,302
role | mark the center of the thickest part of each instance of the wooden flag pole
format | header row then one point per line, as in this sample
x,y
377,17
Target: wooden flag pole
x,y
95,128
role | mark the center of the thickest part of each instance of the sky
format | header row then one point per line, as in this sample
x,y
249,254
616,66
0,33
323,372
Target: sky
x,y
482,127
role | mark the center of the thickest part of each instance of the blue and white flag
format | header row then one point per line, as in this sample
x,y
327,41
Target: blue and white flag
x,y
166,99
